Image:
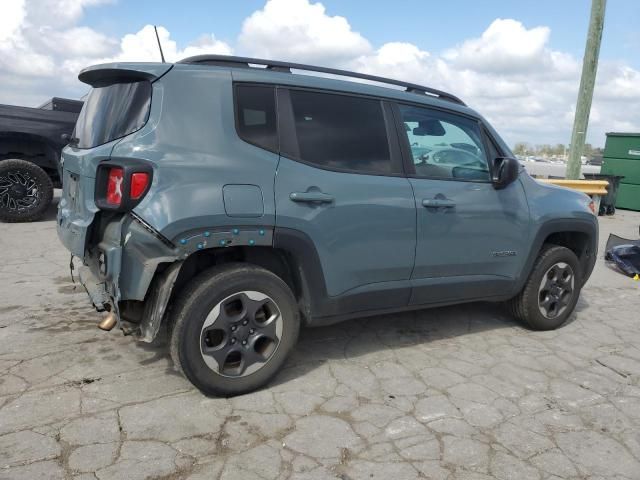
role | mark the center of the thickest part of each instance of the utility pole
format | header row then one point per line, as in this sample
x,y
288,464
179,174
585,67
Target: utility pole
x,y
587,82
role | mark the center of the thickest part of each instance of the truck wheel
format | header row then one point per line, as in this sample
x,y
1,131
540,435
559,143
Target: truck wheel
x,y
552,290
233,327
25,191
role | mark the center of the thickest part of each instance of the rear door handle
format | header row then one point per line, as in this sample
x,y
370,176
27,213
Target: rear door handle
x,y
311,197
438,203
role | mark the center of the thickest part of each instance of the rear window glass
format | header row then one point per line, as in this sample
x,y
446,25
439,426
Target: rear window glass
x,y
256,116
341,132
112,112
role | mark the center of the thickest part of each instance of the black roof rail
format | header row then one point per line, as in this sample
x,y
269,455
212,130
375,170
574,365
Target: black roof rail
x,y
245,62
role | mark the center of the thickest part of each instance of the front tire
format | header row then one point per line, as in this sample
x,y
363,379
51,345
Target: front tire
x,y
26,191
233,327
551,293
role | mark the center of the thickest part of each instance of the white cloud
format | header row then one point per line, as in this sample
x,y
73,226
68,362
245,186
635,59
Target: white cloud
x,y
398,60
11,19
506,47
205,44
58,13
619,83
75,42
512,76
297,30
510,73
32,38
41,54
143,46
16,55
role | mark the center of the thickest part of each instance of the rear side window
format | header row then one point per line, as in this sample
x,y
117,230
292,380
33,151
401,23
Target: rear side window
x,y
341,132
256,116
112,112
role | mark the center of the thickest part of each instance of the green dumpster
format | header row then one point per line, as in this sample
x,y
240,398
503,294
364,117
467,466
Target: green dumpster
x,y
622,157
629,169
622,145
628,196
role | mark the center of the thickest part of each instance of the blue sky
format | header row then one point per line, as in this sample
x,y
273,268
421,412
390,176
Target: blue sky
x,y
432,25
516,62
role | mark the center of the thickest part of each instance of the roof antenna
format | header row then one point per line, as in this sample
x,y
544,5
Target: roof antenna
x,y
159,45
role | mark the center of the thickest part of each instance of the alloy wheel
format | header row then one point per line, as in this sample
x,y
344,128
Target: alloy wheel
x,y
18,191
241,334
556,290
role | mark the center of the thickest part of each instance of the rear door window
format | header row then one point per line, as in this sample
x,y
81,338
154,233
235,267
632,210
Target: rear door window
x,y
113,111
256,116
341,132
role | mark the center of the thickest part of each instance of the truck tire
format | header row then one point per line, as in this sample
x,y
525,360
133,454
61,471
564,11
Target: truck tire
x,y
551,293
232,328
25,191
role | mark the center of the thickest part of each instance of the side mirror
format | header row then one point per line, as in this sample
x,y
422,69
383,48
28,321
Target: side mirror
x,y
505,171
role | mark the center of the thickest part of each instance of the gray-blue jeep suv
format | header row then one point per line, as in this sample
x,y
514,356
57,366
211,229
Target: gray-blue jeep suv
x,y
234,199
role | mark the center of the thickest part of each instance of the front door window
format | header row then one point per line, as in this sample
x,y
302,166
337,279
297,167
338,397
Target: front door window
x,y
443,145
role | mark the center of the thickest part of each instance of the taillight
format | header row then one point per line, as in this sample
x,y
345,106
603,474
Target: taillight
x,y
121,184
114,186
139,183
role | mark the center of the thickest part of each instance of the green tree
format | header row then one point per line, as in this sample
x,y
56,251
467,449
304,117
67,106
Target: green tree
x,y
545,150
559,149
521,148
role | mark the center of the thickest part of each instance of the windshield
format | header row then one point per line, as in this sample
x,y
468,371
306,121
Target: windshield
x,y
112,112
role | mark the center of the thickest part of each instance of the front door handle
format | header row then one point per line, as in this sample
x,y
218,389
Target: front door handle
x,y
438,203
311,197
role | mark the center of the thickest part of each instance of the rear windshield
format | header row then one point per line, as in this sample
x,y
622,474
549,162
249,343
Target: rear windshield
x,y
112,112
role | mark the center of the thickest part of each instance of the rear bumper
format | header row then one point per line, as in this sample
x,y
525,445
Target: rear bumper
x,y
99,292
76,212
99,269
122,265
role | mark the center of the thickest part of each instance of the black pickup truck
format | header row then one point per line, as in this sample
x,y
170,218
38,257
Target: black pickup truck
x,y
30,146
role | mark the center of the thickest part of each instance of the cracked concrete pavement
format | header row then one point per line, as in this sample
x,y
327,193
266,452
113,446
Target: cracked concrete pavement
x,y
452,393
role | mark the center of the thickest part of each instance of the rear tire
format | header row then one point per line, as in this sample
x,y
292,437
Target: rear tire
x,y
26,191
233,327
552,290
